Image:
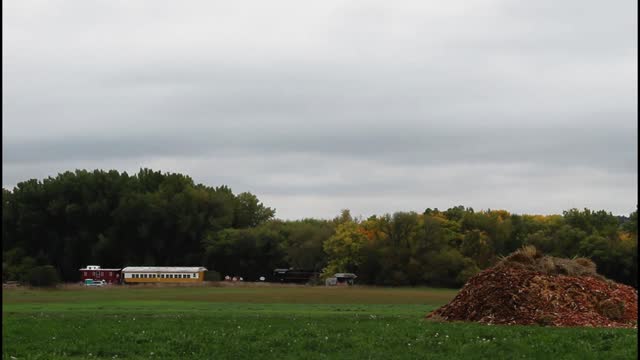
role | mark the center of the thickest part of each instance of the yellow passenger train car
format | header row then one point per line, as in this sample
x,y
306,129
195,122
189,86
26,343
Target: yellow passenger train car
x,y
162,274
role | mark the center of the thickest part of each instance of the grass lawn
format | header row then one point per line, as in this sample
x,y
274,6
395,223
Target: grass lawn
x,y
274,323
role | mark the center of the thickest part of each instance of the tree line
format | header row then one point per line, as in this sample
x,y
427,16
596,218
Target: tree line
x,y
151,218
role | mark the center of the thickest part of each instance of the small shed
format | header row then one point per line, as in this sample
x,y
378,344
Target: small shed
x,y
341,279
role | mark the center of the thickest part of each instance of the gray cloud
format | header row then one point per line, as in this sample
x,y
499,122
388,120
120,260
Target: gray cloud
x,y
527,106
605,149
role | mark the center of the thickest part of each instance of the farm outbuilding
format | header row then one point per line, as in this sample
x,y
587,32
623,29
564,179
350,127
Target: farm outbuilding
x,y
95,272
163,274
341,279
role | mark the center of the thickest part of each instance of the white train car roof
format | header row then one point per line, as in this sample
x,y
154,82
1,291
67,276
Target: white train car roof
x,y
181,269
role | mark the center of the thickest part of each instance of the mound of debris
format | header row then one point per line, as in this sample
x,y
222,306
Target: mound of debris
x,y
528,288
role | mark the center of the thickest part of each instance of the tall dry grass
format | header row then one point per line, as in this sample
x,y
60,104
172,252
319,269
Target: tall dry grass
x,y
532,259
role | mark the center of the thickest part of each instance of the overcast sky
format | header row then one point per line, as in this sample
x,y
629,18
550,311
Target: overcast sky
x,y
376,106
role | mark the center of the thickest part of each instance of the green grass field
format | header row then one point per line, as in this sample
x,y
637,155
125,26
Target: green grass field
x,y
274,323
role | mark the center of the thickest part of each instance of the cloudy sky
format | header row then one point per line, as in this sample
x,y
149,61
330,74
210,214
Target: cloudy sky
x,y
376,106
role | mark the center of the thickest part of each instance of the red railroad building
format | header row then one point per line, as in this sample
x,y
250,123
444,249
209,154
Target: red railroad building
x,y
111,276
